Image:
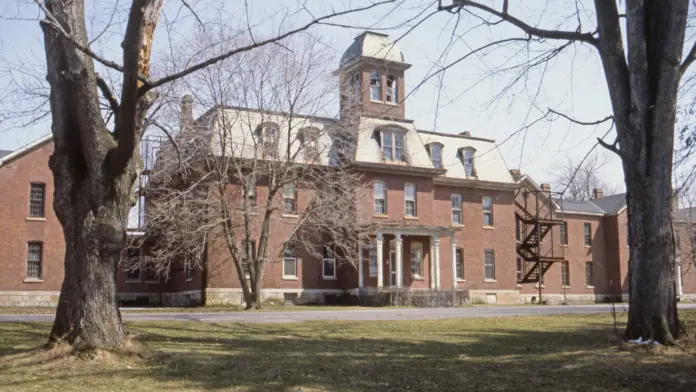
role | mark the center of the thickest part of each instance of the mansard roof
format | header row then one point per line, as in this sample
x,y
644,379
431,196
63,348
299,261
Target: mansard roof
x,y
372,45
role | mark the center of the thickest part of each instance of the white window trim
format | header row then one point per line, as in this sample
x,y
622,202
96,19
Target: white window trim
x,y
486,279
452,209
464,152
393,132
430,150
415,198
419,246
490,211
323,269
372,251
394,90
285,275
460,263
374,197
584,235
292,197
378,86
565,266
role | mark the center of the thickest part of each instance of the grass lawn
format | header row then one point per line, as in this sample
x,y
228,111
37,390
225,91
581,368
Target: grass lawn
x,y
547,353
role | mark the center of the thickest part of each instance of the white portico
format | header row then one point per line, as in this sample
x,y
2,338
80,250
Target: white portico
x,y
396,257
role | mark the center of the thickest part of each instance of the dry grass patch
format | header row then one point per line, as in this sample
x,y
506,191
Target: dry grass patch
x,y
548,353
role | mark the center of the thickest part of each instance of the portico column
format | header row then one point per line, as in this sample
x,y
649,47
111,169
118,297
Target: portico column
x,y
360,264
399,261
437,262
679,278
454,262
432,262
380,260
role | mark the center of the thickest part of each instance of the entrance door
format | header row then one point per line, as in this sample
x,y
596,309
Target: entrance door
x,y
392,268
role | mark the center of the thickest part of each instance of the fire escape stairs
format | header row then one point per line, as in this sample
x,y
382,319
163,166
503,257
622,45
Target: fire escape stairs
x,y
529,248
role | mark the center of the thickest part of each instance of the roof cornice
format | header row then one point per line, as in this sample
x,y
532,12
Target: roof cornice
x,y
25,149
400,169
469,183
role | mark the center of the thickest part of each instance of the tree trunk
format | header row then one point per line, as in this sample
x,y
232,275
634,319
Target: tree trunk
x,y
652,300
88,315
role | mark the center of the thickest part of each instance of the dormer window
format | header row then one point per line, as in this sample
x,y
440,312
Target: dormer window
x,y
435,150
309,142
393,145
392,89
467,155
375,86
268,134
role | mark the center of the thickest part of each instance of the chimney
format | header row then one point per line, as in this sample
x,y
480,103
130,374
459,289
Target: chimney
x,y
597,193
465,133
186,112
546,188
516,175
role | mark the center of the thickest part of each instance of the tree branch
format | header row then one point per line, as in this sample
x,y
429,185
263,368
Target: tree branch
x,y
52,22
108,95
533,31
688,60
213,60
605,119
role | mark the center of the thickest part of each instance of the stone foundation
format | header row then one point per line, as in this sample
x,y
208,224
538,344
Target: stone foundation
x,y
494,297
223,297
570,299
29,298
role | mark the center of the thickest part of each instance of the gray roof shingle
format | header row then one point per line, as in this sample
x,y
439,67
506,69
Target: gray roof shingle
x,y
583,207
611,204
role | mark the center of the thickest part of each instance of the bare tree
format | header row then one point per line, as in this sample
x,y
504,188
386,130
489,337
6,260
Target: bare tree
x,y
580,180
643,68
259,162
95,162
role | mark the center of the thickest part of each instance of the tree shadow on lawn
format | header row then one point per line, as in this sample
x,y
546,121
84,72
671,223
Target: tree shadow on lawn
x,y
337,356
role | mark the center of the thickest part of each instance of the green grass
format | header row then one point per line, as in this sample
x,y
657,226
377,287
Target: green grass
x,y
547,353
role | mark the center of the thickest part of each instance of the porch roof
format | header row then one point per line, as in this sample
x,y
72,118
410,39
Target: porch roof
x,y
425,230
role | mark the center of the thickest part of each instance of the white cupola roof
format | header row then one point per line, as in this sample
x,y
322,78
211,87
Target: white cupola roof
x,y
372,45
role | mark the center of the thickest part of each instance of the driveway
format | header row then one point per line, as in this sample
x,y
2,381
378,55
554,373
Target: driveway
x,y
353,315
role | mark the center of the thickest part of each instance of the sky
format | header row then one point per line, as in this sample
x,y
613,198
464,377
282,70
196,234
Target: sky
x,y
469,96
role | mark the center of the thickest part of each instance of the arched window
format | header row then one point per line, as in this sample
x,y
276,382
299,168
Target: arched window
x,y
392,89
468,161
375,86
435,150
267,135
309,142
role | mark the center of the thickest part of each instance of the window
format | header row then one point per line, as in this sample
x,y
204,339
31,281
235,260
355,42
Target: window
x,y
373,261
416,259
457,209
393,145
36,200
34,260
392,89
676,237
588,234
133,264
151,274
329,262
564,233
410,200
468,161
356,85
269,133
517,228
519,270
460,263
588,273
309,141
289,194
380,198
248,257
487,203
489,264
436,155
375,86
251,194
289,260
565,274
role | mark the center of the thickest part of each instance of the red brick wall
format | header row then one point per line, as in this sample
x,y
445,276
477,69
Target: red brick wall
x,y
16,230
379,107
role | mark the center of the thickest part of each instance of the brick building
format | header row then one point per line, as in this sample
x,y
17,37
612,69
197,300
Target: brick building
x,y
448,215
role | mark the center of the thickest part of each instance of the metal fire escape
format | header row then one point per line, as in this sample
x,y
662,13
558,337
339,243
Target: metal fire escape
x,y
537,213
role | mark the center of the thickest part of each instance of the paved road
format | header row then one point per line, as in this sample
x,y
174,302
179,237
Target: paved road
x,y
352,315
